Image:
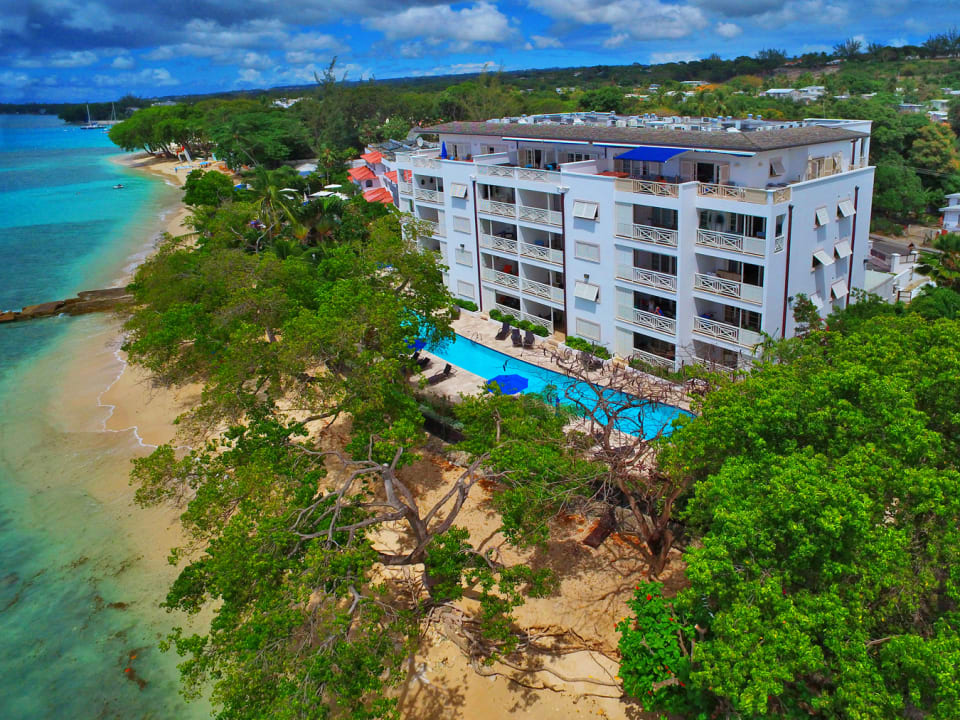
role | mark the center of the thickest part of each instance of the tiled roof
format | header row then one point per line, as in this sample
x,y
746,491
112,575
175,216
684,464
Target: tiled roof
x,y
391,175
755,141
372,157
379,195
359,174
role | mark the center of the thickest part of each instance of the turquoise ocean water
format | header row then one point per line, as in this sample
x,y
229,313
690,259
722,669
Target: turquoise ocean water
x,y
79,622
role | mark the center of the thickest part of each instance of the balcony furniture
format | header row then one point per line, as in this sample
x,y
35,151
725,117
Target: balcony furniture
x,y
515,338
528,339
441,376
504,331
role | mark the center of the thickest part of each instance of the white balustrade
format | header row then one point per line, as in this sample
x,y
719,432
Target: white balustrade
x,y
543,290
648,187
646,319
778,243
540,215
537,175
495,171
426,162
435,229
650,278
434,196
732,242
405,188
500,278
537,320
651,359
497,208
495,242
540,252
730,333
758,196
648,233
728,288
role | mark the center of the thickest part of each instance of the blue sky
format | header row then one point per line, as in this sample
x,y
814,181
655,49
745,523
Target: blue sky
x,y
79,50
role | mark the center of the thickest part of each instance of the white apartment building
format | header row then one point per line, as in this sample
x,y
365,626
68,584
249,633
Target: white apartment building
x,y
673,242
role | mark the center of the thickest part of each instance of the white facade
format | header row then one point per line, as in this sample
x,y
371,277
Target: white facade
x,y
951,213
690,259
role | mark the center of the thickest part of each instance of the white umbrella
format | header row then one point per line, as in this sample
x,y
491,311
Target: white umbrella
x,y
321,193
332,187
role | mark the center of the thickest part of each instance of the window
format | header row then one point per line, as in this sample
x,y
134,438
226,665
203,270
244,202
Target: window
x,y
464,257
586,251
578,157
587,329
461,224
585,210
839,289
586,291
845,209
822,217
465,290
458,190
820,256
776,167
843,249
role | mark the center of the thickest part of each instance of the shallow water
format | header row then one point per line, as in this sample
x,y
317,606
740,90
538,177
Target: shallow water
x,y
83,569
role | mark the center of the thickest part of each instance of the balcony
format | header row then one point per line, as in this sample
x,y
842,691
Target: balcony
x,y
647,187
730,333
759,196
500,278
728,288
537,320
434,228
648,233
649,278
405,188
646,319
540,215
497,208
651,359
731,242
426,162
539,289
517,173
495,242
539,252
433,196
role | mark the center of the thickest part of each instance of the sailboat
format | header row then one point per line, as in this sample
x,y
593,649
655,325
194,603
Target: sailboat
x,y
113,118
90,125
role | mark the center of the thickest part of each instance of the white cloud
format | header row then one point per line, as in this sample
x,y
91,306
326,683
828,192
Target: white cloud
x,y
545,41
822,12
615,41
257,61
728,30
456,69
443,28
249,76
77,58
657,58
862,39
122,62
147,78
639,19
11,79
897,42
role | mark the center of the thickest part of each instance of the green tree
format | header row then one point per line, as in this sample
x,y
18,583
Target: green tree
x,y
934,149
943,266
207,188
605,99
898,192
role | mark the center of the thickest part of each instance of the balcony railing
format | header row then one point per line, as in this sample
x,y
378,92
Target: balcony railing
x,y
652,359
648,233
759,196
537,320
495,242
507,310
730,333
646,319
728,288
532,287
732,242
540,215
650,278
539,252
515,173
435,228
434,196
405,188
648,187
500,278
495,207
426,162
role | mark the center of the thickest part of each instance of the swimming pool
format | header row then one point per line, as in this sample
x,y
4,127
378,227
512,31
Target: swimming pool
x,y
649,421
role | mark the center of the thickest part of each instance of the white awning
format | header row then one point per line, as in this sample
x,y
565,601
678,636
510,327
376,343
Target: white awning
x,y
458,190
776,167
821,257
846,209
816,300
839,289
586,291
585,210
842,249
823,217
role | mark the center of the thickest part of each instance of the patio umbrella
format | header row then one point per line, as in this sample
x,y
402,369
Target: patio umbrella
x,y
508,384
443,150
417,344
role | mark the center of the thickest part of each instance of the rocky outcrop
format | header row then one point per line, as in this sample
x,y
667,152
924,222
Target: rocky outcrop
x,y
85,302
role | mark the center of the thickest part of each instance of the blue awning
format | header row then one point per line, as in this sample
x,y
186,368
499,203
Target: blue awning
x,y
650,154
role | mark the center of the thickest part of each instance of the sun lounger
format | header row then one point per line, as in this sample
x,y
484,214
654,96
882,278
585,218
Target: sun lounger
x,y
515,337
504,331
528,339
441,376
423,363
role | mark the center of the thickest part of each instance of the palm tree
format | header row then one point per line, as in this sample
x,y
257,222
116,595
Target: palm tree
x,y
278,204
943,267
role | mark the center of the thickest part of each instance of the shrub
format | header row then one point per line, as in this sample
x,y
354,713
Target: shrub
x,y
468,305
525,325
510,319
580,344
496,314
540,330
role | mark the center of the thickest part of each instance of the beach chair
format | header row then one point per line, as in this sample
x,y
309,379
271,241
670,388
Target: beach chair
x,y
528,339
441,376
504,331
423,363
515,337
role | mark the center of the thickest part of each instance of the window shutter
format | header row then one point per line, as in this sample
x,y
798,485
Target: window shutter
x,y
723,176
687,169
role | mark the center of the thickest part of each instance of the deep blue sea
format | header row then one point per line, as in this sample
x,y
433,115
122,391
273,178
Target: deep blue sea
x,y
79,582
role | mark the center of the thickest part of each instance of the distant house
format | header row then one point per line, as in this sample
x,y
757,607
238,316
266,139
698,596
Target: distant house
x,y
939,105
910,108
951,213
937,116
782,93
812,92
694,83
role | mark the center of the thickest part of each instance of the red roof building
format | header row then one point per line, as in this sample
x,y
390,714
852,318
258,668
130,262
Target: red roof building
x,y
372,158
359,174
379,195
391,175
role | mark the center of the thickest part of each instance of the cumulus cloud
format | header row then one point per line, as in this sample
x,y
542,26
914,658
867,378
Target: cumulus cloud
x,y
122,62
444,28
728,30
615,41
455,69
249,76
146,78
673,57
544,41
75,59
639,19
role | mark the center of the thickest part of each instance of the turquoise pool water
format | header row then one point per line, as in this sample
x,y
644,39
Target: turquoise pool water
x,y
646,419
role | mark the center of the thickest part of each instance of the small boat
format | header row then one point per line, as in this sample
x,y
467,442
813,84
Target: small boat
x,y
118,186
90,124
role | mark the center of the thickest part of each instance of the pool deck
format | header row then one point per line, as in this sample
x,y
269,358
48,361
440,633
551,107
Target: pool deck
x,y
479,328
